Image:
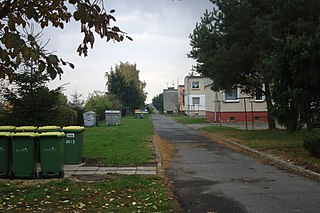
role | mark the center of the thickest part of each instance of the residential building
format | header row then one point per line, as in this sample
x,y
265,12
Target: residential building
x,y
181,98
170,100
194,96
234,106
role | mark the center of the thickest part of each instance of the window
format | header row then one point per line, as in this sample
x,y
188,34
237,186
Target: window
x,y
259,96
195,100
231,95
195,85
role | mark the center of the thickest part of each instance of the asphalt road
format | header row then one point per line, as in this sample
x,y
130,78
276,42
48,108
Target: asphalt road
x,y
210,178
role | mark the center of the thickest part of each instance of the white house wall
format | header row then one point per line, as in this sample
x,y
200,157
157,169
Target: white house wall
x,y
217,108
190,108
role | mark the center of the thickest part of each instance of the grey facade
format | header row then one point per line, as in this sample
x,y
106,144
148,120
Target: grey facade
x,y
170,100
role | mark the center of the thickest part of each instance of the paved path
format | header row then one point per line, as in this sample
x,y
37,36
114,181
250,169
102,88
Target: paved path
x,y
209,177
80,169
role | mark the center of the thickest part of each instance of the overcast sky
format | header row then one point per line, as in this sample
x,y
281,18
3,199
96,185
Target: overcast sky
x,y
160,30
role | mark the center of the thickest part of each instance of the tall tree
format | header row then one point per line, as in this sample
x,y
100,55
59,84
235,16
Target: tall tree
x,y
157,102
295,64
244,43
77,104
124,83
17,43
228,50
31,102
99,102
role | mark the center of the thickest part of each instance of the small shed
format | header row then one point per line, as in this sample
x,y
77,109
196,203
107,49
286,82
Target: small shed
x,y
113,117
90,118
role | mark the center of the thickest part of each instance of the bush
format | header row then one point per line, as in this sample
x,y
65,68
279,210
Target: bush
x,y
312,144
64,116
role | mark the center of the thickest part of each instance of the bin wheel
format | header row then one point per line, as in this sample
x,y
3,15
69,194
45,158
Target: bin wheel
x,y
10,175
40,175
34,175
61,174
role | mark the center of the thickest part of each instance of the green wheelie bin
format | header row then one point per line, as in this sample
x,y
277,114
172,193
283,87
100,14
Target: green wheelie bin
x,y
24,155
7,128
5,143
73,144
51,146
26,129
42,129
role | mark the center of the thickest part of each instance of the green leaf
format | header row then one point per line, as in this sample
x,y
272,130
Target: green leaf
x,y
53,59
59,71
30,11
73,1
71,65
129,38
115,29
26,54
52,72
77,15
42,66
2,74
97,8
112,11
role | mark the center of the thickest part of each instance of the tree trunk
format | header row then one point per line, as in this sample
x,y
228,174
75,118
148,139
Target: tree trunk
x,y
271,121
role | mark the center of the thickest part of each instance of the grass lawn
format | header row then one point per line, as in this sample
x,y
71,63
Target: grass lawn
x,y
187,120
126,144
114,194
121,145
288,146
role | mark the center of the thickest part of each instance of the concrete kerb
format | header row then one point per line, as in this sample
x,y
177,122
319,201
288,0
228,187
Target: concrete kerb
x,y
159,168
76,170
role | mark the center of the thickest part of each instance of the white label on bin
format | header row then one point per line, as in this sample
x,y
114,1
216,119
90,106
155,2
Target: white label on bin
x,y
22,150
1,149
52,149
70,141
70,135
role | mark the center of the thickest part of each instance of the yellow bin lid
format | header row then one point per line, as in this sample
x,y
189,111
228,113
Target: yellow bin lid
x,y
52,134
7,128
25,134
73,129
5,134
45,128
26,129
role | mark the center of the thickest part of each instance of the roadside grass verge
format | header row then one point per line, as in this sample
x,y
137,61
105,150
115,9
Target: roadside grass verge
x,y
126,144
278,142
117,193
183,119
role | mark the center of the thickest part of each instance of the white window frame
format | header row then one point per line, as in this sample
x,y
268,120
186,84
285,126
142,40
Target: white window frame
x,y
194,86
198,98
260,100
232,100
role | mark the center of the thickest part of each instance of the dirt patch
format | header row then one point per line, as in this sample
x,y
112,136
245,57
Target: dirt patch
x,y
26,183
93,162
90,178
167,153
166,150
